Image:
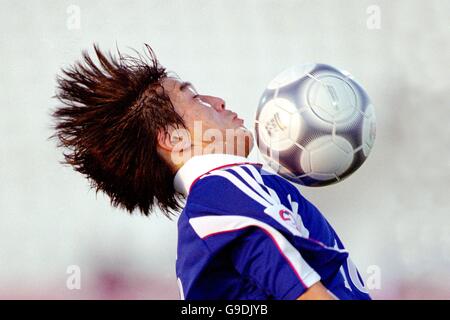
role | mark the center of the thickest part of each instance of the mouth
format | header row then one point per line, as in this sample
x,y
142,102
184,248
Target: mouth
x,y
236,118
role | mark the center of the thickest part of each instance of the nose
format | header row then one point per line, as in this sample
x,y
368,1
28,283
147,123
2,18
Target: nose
x,y
217,103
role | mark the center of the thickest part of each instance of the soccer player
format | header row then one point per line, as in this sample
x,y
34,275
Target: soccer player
x,y
148,139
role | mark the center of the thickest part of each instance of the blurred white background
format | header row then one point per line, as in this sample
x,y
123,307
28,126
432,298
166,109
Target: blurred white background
x,y
393,213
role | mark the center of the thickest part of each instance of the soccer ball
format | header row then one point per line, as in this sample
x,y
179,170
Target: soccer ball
x,y
315,125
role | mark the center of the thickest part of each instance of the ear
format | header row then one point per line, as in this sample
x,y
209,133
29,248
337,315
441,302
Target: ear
x,y
164,140
174,139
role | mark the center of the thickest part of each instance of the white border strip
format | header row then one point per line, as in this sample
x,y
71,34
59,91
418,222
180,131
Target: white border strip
x,y
210,225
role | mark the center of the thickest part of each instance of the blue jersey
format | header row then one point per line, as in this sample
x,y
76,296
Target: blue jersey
x,y
245,233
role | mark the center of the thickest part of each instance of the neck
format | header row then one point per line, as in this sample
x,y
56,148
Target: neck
x,y
177,159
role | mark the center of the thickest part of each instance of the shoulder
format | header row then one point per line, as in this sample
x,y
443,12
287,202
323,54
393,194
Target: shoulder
x,y
233,188
244,195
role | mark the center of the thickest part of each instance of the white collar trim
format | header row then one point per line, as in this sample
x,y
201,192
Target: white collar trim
x,y
200,165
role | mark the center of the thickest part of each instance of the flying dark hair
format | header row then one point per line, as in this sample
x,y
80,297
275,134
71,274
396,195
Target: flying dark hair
x,y
108,124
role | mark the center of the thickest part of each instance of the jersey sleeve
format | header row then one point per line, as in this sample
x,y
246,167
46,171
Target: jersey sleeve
x,y
258,252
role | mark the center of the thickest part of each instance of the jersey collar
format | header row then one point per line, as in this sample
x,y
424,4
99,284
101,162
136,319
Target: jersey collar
x,y
200,165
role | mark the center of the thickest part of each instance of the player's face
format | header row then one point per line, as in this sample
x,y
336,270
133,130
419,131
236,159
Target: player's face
x,y
209,122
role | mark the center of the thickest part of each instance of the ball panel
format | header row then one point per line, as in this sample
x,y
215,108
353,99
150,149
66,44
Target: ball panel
x,y
351,134
288,159
283,162
278,124
368,130
323,177
332,99
266,96
295,92
362,97
306,180
321,68
290,75
321,150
